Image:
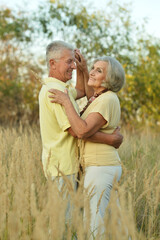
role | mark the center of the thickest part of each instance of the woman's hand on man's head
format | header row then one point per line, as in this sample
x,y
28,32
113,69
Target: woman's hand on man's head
x,y
80,61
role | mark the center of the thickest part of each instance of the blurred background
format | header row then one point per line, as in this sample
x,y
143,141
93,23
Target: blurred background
x,y
123,29
31,207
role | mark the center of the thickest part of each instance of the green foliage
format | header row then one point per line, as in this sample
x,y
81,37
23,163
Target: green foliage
x,y
109,32
113,32
18,101
93,32
13,27
18,87
140,99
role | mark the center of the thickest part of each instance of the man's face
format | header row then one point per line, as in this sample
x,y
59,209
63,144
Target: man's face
x,y
64,66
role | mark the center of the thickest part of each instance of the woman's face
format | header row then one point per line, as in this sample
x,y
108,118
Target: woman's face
x,y
97,74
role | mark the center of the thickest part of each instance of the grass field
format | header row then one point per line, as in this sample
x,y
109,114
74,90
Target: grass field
x,y
32,208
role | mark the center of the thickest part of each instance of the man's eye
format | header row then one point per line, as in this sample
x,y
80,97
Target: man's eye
x,y
69,62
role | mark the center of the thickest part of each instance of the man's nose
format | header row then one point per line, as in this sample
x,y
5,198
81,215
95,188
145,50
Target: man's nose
x,y
74,65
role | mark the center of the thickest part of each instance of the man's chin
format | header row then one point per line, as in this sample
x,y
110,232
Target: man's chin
x,y
69,77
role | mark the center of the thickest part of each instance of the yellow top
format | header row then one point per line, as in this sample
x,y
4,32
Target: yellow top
x,y
98,154
59,147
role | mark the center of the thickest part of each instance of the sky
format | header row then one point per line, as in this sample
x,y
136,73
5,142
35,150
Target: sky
x,y
148,9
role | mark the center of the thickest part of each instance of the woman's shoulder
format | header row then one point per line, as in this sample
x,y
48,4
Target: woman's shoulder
x,y
109,95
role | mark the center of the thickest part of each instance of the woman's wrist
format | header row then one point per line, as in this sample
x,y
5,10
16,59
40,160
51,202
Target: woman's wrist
x,y
67,103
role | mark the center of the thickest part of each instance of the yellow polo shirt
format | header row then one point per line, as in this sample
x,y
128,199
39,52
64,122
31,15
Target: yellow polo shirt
x,y
98,154
59,147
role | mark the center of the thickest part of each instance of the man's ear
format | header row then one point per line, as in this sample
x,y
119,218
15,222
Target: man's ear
x,y
52,63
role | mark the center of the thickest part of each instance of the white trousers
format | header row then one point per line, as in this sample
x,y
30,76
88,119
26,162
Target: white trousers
x,y
101,178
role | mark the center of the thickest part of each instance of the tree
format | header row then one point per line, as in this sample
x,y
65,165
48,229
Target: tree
x,y
141,98
110,32
18,94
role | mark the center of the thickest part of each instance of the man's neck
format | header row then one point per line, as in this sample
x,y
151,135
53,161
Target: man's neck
x,y
54,76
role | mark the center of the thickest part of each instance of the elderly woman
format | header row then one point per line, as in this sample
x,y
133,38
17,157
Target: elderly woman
x,y
101,161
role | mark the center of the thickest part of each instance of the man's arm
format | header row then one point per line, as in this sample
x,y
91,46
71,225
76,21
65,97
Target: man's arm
x,y
114,139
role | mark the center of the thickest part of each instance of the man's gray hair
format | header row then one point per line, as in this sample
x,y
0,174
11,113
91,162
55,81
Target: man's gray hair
x,y
54,50
115,78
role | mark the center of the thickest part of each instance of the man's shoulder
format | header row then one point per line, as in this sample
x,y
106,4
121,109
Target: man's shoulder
x,y
51,82
55,85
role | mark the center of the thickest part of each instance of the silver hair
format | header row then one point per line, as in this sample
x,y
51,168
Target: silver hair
x,y
115,78
54,50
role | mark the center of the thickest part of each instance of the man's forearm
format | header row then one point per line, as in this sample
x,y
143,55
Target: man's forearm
x,y
115,139
100,137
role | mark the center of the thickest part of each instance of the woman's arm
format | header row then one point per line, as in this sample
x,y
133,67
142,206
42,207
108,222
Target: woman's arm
x,y
82,128
82,66
80,86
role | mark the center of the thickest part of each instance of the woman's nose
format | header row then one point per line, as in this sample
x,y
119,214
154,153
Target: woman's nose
x,y
91,72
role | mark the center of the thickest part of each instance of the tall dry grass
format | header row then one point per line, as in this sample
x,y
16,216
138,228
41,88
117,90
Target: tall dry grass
x,y
33,208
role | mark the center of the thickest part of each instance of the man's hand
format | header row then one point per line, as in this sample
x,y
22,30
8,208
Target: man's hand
x,y
117,138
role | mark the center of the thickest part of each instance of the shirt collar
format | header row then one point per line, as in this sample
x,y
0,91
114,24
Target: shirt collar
x,y
51,79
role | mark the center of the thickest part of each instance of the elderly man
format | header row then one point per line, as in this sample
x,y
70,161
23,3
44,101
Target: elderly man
x,y
59,145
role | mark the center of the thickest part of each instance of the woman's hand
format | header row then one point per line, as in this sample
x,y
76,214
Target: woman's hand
x,y
80,61
59,96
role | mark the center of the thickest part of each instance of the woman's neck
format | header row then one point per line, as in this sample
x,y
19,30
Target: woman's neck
x,y
98,90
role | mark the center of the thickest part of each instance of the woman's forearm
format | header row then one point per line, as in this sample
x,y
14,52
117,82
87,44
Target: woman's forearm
x,y
78,125
82,128
89,90
80,86
82,66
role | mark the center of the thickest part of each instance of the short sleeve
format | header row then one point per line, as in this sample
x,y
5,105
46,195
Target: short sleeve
x,y
73,92
60,114
106,106
61,117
